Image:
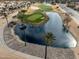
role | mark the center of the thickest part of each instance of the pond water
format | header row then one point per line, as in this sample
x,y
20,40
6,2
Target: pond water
x,y
54,25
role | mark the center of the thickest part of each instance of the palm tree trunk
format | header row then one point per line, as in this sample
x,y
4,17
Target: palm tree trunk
x,y
25,37
46,52
6,20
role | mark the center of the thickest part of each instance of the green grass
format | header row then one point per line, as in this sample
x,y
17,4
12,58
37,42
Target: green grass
x,y
44,7
34,17
22,16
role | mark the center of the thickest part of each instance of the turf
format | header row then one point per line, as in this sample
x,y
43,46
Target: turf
x,y
34,17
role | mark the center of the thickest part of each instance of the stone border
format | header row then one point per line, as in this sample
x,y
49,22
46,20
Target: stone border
x,y
34,49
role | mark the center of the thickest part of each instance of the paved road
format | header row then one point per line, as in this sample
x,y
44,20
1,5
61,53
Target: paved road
x,y
72,12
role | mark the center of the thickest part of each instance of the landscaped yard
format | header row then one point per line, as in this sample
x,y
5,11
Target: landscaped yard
x,y
36,17
33,18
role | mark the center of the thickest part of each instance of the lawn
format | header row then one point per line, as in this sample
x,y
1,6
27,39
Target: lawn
x,y
45,7
32,18
35,16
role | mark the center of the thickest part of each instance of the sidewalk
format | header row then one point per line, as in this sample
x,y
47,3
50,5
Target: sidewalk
x,y
7,53
72,13
74,30
73,25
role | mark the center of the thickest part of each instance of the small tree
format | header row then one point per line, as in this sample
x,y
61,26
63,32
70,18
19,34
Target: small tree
x,y
67,20
4,13
49,38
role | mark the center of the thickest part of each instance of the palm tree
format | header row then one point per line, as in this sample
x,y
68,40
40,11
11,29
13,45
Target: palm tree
x,y
49,38
5,15
22,25
23,28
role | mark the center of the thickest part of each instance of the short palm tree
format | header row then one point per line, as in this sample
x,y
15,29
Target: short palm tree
x,y
49,38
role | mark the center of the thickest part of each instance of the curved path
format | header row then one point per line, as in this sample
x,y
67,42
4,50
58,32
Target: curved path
x,y
74,24
72,12
36,50
7,53
55,53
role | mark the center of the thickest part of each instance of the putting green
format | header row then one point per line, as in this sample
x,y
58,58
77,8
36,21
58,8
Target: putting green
x,y
35,17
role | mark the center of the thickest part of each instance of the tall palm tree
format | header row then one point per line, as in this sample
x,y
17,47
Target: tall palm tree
x,y
5,15
23,28
22,25
49,38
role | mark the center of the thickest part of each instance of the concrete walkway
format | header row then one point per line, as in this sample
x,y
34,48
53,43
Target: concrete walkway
x,y
7,53
71,12
74,23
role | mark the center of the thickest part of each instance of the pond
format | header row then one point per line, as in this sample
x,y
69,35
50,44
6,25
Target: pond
x,y
54,25
34,34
